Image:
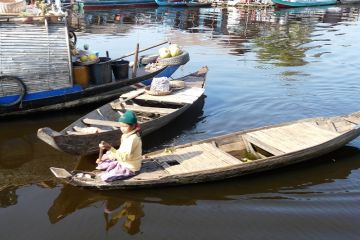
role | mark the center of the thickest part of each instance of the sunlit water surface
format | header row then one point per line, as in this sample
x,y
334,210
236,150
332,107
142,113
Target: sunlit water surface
x,y
266,67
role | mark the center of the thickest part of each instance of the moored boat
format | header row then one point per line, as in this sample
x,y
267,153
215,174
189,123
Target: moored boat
x,y
83,136
170,3
110,4
37,72
349,1
302,3
183,3
232,155
198,4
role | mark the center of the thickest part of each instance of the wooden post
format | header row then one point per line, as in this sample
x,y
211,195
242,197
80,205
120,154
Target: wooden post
x,y
136,60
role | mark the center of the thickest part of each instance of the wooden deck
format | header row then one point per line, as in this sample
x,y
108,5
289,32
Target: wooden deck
x,y
195,158
289,138
188,95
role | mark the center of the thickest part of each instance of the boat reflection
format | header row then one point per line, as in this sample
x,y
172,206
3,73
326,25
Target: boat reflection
x,y
280,36
115,209
129,205
132,212
24,159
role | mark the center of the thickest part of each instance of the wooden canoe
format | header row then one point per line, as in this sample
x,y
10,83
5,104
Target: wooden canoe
x,y
83,136
182,3
168,3
302,3
230,155
198,4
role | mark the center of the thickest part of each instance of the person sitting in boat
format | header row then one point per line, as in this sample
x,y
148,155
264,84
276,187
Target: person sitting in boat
x,y
126,161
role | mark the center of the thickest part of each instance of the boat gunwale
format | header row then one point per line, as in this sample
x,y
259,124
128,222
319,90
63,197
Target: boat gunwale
x,y
54,138
233,170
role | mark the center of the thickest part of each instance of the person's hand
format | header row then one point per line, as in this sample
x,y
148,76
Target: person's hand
x,y
104,145
98,161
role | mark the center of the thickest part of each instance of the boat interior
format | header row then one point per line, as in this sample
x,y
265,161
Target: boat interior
x,y
235,149
251,146
147,107
97,121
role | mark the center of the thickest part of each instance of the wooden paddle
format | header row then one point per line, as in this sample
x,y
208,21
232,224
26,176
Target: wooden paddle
x,y
130,95
101,151
101,122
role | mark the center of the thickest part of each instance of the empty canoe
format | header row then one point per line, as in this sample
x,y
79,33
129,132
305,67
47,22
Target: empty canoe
x,y
232,155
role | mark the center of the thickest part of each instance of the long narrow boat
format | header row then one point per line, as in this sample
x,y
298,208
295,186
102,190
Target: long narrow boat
x,y
302,3
36,69
349,1
232,155
110,4
183,3
170,3
76,95
198,4
83,136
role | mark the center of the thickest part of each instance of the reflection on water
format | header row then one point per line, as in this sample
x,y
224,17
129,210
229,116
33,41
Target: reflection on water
x,y
303,182
279,34
131,211
116,209
266,67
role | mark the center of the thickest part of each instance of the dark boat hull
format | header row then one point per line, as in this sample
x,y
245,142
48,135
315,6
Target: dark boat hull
x,y
98,94
88,144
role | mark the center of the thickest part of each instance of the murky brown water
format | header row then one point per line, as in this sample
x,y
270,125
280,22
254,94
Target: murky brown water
x,y
266,67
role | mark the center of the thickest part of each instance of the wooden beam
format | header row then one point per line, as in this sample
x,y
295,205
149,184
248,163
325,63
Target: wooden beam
x,y
352,119
263,145
146,109
101,122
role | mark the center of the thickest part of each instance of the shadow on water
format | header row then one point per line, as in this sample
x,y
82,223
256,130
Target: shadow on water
x,y
129,204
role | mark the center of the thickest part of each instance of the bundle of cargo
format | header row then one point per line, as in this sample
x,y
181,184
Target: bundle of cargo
x,y
173,55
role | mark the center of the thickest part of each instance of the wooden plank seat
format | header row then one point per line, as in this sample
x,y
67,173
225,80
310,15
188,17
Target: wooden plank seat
x,y
138,108
181,97
195,158
289,138
98,122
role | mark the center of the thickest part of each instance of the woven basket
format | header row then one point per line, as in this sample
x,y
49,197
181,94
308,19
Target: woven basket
x,y
156,93
13,6
178,60
148,59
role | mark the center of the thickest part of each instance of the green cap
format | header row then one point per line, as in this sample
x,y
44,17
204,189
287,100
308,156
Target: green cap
x,y
128,117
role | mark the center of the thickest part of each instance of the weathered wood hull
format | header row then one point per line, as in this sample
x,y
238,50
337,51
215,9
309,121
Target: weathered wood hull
x,y
152,175
303,3
100,93
198,4
88,144
170,3
98,5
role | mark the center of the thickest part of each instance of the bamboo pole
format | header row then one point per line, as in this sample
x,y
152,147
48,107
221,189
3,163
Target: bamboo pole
x,y
142,50
136,60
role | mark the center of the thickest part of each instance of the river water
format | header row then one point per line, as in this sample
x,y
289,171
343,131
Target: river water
x,y
266,67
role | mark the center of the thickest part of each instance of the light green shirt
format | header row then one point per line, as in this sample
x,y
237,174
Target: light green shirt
x,y
129,153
